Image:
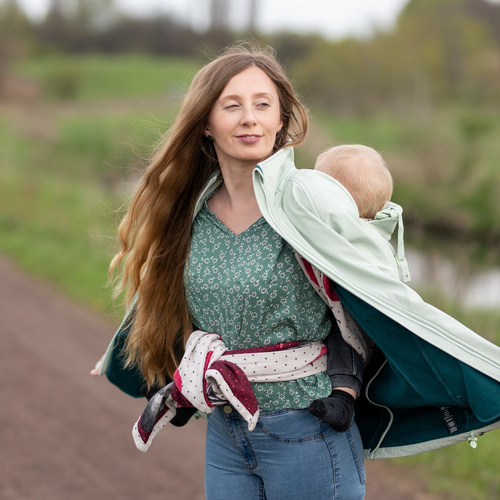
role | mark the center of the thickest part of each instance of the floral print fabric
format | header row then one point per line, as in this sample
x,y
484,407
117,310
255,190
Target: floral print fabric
x,y
250,289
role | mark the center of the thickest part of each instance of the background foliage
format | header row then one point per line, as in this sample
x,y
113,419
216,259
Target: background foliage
x,y
86,92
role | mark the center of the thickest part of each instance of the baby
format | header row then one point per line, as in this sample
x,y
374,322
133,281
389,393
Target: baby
x,y
363,172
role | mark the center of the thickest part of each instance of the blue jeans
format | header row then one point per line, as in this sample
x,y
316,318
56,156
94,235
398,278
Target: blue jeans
x,y
290,455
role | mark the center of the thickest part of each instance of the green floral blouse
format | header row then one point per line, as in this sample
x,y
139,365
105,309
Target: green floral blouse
x,y
250,290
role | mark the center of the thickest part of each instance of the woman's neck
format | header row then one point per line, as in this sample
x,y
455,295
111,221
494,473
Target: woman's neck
x,y
235,203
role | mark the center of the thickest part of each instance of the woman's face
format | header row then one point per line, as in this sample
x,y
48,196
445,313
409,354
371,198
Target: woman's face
x,y
245,119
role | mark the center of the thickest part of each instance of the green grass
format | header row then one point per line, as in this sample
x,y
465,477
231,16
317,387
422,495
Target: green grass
x,y
461,471
60,196
381,132
94,77
60,228
107,145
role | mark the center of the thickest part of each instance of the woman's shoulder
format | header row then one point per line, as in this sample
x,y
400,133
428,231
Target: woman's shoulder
x,y
320,193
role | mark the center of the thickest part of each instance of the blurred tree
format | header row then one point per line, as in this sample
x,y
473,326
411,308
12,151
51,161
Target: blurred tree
x,y
291,47
449,44
219,15
74,24
15,37
252,16
54,30
159,35
88,18
15,29
441,51
486,12
94,14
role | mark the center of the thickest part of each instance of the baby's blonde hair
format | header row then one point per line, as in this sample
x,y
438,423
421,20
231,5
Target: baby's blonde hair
x,y
363,172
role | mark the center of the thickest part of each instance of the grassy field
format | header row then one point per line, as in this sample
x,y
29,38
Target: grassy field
x,y
94,77
68,162
68,158
57,227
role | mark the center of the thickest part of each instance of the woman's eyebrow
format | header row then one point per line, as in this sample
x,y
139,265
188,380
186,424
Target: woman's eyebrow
x,y
236,96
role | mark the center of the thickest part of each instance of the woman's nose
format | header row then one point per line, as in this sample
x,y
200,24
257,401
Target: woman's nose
x,y
248,116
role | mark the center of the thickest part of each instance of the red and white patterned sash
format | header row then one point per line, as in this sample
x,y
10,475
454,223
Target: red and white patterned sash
x,y
210,375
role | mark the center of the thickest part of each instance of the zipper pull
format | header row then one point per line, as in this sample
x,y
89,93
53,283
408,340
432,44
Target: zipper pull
x,y
472,440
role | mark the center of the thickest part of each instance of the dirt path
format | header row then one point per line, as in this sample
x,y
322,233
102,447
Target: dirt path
x,y
66,435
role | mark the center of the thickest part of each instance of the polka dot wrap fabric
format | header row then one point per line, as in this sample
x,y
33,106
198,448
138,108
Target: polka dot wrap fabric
x,y
209,375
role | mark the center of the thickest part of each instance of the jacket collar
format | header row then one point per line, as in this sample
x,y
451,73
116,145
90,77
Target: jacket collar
x,y
273,169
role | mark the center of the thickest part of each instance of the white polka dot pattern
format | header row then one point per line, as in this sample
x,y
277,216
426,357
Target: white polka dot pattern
x,y
209,375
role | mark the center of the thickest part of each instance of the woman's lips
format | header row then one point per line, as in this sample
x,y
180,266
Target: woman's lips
x,y
249,139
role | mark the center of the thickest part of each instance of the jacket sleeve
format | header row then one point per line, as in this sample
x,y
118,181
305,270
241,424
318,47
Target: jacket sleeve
x,y
127,379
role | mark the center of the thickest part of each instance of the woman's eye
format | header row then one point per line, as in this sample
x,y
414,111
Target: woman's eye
x,y
263,105
231,106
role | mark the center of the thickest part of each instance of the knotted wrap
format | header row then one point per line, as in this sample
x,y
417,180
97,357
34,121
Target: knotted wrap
x,y
210,375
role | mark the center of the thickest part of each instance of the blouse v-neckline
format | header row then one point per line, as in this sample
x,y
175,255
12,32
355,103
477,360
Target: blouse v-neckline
x,y
227,230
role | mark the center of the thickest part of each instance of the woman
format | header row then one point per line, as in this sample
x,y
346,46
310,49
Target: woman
x,y
227,172
239,110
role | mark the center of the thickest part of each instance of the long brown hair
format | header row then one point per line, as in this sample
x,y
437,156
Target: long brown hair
x,y
155,233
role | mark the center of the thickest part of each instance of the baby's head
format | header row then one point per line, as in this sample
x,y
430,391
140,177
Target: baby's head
x,y
363,172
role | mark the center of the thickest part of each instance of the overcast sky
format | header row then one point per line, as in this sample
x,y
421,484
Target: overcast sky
x,y
331,18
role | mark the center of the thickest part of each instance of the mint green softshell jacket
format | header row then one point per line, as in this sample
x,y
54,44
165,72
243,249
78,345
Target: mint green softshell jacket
x,y
432,381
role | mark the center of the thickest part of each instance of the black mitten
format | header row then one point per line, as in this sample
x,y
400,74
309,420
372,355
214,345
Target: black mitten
x,y
182,416
336,410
